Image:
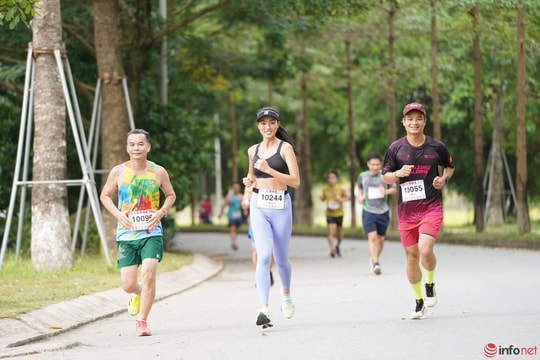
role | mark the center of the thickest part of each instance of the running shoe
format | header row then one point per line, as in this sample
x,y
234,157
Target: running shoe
x,y
141,328
337,251
287,307
134,304
332,253
375,267
419,310
271,279
263,319
431,295
234,247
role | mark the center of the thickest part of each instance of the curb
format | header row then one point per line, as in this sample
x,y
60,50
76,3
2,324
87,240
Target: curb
x,y
68,315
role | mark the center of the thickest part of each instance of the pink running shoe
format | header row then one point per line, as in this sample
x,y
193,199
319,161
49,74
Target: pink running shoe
x,y
141,328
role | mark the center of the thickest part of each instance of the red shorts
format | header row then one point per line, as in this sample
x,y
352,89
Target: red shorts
x,y
410,231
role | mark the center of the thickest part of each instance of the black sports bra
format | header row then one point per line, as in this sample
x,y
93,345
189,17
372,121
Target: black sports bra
x,y
275,161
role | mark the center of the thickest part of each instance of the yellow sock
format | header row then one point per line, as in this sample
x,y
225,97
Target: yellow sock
x,y
417,289
430,274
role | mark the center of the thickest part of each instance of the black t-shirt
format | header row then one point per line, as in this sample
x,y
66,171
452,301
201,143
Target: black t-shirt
x,y
417,196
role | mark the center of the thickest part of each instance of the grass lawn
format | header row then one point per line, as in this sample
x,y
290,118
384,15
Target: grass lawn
x,y
22,289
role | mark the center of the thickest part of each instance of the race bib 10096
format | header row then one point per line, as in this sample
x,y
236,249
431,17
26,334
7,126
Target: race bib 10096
x,y
271,199
139,219
413,190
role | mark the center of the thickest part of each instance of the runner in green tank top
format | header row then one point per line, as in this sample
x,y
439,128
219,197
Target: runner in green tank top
x,y
139,236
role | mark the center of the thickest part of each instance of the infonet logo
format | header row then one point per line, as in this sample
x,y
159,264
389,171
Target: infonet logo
x,y
491,350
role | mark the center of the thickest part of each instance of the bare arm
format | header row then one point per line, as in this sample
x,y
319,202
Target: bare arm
x,y
345,196
360,196
250,178
246,198
225,203
110,188
391,177
167,189
390,191
440,181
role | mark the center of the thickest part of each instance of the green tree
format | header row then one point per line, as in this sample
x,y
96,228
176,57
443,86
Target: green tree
x,y
14,12
524,224
478,135
246,54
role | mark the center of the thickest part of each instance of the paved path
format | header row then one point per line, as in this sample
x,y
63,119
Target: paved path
x,y
487,296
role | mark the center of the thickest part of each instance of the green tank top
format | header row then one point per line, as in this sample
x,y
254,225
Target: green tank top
x,y
137,194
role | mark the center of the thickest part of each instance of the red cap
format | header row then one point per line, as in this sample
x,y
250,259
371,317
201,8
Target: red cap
x,y
414,106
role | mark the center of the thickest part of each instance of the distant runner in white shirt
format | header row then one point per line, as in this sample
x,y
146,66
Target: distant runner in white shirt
x,y
373,196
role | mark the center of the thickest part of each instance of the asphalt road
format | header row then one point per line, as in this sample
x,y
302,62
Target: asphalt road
x,y
488,303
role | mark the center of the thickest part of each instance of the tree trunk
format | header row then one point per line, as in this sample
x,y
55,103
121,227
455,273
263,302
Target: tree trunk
x,y
234,137
51,239
391,103
434,73
115,121
352,143
523,220
478,139
270,93
304,201
495,213
138,32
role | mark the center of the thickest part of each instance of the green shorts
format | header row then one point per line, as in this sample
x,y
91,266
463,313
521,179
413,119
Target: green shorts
x,y
135,251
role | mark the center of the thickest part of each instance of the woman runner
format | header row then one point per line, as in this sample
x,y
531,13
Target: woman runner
x,y
272,167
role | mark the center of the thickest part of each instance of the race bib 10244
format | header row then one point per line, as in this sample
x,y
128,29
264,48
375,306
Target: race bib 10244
x,y
413,190
271,199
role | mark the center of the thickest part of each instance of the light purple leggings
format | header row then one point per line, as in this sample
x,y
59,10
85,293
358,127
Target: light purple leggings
x,y
272,232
